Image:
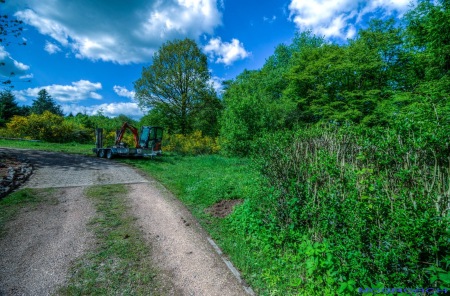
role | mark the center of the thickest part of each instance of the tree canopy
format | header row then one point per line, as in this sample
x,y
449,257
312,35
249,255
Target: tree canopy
x,y
391,70
45,102
8,107
177,85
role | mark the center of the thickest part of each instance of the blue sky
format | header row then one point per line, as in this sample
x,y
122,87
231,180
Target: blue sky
x,y
87,54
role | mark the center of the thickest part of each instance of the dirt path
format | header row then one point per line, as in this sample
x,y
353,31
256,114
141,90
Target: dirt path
x,y
180,246
38,249
41,243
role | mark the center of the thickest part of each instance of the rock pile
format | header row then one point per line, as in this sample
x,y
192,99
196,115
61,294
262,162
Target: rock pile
x,y
13,173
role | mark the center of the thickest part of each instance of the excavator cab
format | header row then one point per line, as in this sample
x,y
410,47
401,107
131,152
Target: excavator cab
x,y
151,137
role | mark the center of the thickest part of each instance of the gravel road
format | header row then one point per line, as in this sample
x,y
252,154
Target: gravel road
x,y
41,243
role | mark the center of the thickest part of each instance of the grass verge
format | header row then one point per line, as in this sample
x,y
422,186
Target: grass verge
x,y
76,148
200,182
120,262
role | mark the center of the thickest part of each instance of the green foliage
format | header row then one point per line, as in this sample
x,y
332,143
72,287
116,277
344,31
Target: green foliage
x,y
44,102
369,80
428,28
254,101
192,144
47,127
177,85
8,107
353,207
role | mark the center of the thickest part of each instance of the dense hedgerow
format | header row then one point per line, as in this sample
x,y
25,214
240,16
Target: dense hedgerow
x,y
349,208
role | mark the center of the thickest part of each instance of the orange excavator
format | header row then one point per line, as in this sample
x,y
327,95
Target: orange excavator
x,y
147,142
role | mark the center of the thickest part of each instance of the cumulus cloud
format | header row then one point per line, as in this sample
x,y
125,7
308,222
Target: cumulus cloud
x,y
77,91
123,92
111,110
225,52
119,31
9,66
333,18
51,48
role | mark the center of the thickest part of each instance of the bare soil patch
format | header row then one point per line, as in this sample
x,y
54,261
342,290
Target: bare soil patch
x,y
223,208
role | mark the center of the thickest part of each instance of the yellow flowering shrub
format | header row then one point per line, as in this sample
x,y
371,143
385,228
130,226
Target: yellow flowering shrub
x,y
192,144
109,138
47,127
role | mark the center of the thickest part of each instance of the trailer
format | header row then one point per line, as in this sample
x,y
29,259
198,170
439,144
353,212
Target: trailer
x,y
147,143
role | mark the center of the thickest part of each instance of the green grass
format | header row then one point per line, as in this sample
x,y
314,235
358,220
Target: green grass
x,y
120,263
76,148
201,181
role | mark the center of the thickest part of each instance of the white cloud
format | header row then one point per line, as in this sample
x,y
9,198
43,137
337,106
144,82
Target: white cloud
x,y
51,48
216,83
119,31
26,76
9,66
77,91
123,92
270,20
225,52
110,110
334,18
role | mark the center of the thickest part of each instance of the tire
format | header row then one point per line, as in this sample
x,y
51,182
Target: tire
x,y
109,154
101,153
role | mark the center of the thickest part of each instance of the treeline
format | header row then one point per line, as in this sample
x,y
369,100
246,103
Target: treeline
x,y
44,120
353,142
387,72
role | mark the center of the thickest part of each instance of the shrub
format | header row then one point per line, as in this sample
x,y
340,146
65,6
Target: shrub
x,y
47,127
353,207
192,144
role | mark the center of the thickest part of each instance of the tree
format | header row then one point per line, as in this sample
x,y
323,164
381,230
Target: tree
x,y
8,107
428,27
44,102
9,27
177,83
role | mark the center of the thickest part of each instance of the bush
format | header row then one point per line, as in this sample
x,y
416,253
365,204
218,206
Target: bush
x,y
47,127
192,144
350,207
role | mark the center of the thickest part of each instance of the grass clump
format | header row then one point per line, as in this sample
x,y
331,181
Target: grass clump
x,y
14,202
120,262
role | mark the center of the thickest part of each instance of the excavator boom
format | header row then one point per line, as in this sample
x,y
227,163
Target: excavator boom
x,y
133,130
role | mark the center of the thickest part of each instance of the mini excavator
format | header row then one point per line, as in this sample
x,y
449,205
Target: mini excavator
x,y
147,142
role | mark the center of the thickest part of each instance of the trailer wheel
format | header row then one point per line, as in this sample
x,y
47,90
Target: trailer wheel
x,y
109,154
101,153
